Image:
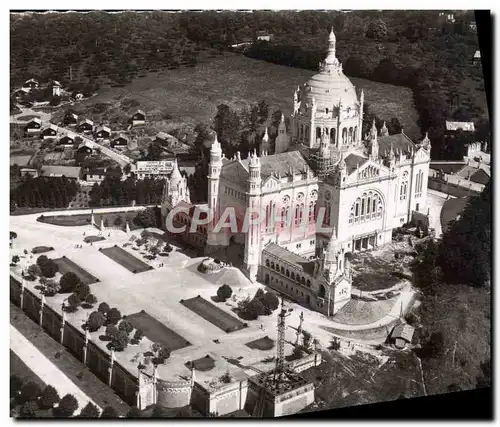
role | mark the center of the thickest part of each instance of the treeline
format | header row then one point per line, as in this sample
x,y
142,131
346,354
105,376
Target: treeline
x,y
114,192
43,192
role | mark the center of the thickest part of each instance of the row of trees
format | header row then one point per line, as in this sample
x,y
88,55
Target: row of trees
x,y
43,192
262,304
114,192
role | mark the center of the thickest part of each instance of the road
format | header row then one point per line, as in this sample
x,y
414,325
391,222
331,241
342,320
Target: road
x,y
121,159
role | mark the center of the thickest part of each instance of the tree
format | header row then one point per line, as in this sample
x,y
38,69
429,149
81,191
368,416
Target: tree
x,y
376,30
125,326
270,301
96,320
29,409
111,330
34,270
82,290
119,341
113,316
146,218
133,412
138,335
67,406
49,397
29,391
49,268
250,309
15,385
90,299
103,308
259,294
15,259
224,292
263,111
89,411
74,300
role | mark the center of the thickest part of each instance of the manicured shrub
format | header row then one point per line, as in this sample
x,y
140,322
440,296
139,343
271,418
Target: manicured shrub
x,y
125,326
89,411
96,320
90,299
67,406
224,292
69,282
113,316
103,308
270,301
49,397
30,391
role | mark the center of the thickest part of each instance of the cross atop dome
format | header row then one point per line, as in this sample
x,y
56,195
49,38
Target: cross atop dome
x,y
331,37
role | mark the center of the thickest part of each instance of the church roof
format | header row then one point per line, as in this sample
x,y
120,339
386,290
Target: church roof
x,y
399,142
352,161
281,163
302,263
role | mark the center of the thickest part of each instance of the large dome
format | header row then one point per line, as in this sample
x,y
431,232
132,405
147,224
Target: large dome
x,y
329,87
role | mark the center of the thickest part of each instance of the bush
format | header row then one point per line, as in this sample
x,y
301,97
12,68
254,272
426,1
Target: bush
x,y
67,406
34,270
30,391
259,294
133,412
224,292
69,282
15,385
82,291
49,268
15,259
250,309
119,341
111,330
113,316
226,378
270,301
74,300
49,397
89,411
90,299
125,326
29,409
96,321
103,308
138,335
411,318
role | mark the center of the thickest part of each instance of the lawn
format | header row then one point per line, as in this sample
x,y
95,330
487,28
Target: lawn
x,y
19,368
84,219
125,259
191,95
264,344
66,265
451,209
213,314
157,331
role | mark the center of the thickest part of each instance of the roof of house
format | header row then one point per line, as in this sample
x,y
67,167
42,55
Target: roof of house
x,y
477,54
68,171
465,126
103,128
52,126
56,83
303,264
32,80
403,331
35,120
480,177
68,136
87,121
140,112
281,164
96,171
75,116
399,141
352,162
85,144
121,138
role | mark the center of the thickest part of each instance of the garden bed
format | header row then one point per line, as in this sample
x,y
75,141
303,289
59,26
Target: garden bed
x,y
213,314
157,331
66,265
41,249
91,239
203,364
125,259
263,344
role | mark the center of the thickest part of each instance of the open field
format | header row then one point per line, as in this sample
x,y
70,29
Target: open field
x,y
213,314
192,94
157,331
125,259
66,265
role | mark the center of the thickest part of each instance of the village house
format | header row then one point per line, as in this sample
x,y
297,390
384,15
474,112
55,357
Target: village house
x,y
120,142
94,175
86,126
264,36
164,138
476,59
31,84
70,119
67,141
70,172
29,171
103,132
138,118
158,169
33,127
402,335
50,132
84,150
56,88
21,93
458,137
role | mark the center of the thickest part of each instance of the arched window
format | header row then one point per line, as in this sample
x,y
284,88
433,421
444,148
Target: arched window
x,y
351,218
308,283
292,275
418,184
287,273
297,214
267,263
367,207
322,291
318,133
355,133
301,131
303,281
326,110
404,187
312,208
332,135
350,135
326,219
344,136
282,270
272,265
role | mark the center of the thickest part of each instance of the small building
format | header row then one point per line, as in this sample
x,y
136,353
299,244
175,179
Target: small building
x,y
84,150
70,119
402,335
95,175
120,142
34,126
138,118
50,132
103,132
31,84
458,136
264,36
164,138
86,126
476,59
70,172
29,171
156,169
21,93
67,141
56,88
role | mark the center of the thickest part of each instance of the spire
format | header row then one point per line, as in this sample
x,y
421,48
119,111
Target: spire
x,y
391,152
176,173
384,131
216,148
265,138
373,131
282,118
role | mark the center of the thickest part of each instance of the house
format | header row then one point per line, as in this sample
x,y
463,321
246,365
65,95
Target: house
x,y
70,119
20,93
86,126
31,84
120,142
264,36
95,175
402,335
476,59
50,132
458,136
33,126
138,118
154,169
67,141
29,171
166,139
103,132
84,150
70,172
56,88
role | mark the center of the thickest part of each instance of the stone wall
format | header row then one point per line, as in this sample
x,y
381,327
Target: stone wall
x,y
173,394
305,363
453,189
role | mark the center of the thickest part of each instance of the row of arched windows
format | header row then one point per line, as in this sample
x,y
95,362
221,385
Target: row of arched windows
x,y
403,192
284,219
419,183
287,273
181,220
347,135
366,208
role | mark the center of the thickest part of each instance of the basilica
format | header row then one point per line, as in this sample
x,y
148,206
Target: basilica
x,y
363,185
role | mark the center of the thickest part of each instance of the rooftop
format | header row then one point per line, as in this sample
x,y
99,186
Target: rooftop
x,y
67,171
352,162
306,265
465,126
399,141
404,331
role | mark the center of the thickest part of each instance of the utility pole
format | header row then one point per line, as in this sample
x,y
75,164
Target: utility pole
x,y
299,329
